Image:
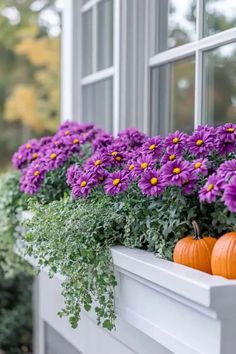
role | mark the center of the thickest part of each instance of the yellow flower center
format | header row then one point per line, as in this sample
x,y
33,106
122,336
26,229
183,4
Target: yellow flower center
x,y
199,142
230,130
186,182
172,157
114,153
67,132
152,147
75,141
210,187
116,182
53,156
175,140
83,184
36,173
28,146
97,162
153,181
144,165
118,158
19,157
35,156
131,167
101,178
176,170
197,165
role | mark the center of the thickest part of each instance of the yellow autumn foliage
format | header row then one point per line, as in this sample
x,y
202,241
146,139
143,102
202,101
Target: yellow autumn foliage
x,y
37,104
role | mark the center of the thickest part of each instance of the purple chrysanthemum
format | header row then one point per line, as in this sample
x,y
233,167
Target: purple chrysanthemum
x,y
199,166
83,185
175,142
170,156
143,163
54,158
189,184
201,143
32,179
227,169
73,174
211,189
152,183
116,182
229,195
176,172
154,146
97,162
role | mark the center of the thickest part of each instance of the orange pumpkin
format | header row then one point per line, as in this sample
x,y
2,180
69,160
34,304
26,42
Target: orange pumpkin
x,y
195,251
223,259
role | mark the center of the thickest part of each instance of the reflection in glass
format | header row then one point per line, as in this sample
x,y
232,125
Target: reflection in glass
x,y
105,34
219,99
219,16
87,41
97,104
173,97
175,23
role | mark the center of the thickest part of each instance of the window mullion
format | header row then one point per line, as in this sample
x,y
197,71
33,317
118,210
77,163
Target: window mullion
x,y
198,88
200,19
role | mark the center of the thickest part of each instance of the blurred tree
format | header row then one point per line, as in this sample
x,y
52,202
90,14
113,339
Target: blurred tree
x,y
29,84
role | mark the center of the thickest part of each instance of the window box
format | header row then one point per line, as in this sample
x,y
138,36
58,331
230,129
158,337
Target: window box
x,y
162,308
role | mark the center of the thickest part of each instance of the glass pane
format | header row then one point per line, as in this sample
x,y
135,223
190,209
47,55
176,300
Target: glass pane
x,y
98,103
219,16
87,41
56,344
219,99
105,34
176,24
173,97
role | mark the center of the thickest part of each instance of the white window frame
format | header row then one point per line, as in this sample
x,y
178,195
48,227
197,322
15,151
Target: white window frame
x,y
195,48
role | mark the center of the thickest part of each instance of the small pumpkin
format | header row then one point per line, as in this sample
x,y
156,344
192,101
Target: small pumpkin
x,y
223,258
195,251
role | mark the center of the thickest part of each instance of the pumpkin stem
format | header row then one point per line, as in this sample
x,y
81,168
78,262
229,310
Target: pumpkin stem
x,y
197,233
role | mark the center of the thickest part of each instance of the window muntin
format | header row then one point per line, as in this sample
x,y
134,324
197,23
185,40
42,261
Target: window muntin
x,y
87,43
219,77
104,34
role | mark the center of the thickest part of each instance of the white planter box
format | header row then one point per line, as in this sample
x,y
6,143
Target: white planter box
x,y
162,308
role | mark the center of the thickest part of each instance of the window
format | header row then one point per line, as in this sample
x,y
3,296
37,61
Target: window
x,y
192,64
98,67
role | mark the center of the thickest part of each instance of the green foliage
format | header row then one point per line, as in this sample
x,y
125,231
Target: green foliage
x,y
16,314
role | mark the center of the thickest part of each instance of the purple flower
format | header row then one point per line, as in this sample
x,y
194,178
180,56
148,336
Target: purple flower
x,y
116,182
226,138
143,163
71,143
133,137
227,169
189,184
102,141
229,195
200,166
201,143
176,142
211,189
154,146
83,185
26,153
32,179
97,162
72,175
170,156
54,158
152,183
176,172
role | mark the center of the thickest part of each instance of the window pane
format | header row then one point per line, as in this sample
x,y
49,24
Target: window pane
x,y
173,97
220,85
87,41
98,103
176,24
105,34
219,16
